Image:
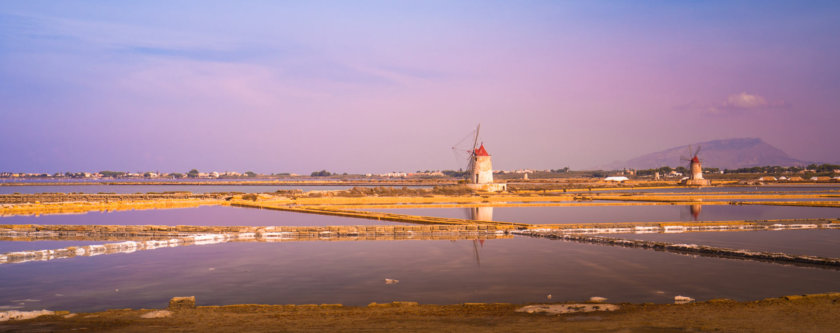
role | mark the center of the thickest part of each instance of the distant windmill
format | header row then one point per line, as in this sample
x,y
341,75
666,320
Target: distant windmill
x,y
694,167
479,166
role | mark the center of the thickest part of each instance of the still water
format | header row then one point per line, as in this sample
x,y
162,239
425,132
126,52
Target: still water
x,y
157,188
644,213
204,215
811,242
6,247
731,189
517,270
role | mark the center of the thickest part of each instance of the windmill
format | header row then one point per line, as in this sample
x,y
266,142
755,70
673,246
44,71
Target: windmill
x,y
694,167
460,150
479,166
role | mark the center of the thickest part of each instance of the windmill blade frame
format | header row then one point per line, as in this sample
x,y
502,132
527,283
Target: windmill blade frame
x,y
471,164
462,150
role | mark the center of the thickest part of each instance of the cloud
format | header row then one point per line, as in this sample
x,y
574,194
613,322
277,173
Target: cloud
x,y
745,102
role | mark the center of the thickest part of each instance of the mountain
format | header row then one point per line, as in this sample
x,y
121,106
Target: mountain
x,y
723,154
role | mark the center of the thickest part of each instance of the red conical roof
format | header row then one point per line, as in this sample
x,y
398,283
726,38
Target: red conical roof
x,y
481,151
695,159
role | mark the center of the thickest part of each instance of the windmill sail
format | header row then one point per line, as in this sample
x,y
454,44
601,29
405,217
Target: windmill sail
x,y
471,163
462,150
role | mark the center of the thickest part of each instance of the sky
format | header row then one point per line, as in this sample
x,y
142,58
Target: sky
x,y
379,86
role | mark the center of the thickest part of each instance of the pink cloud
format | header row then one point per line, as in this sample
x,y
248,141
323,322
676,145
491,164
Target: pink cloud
x,y
745,101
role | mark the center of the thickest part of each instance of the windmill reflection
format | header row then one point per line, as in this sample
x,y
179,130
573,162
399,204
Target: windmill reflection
x,y
695,211
479,214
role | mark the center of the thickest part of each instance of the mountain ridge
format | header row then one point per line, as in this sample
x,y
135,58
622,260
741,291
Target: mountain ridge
x,y
724,154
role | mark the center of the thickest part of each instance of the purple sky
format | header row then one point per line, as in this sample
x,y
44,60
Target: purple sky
x,y
356,86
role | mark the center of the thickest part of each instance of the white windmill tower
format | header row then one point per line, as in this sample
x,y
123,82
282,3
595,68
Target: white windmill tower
x,y
479,166
695,176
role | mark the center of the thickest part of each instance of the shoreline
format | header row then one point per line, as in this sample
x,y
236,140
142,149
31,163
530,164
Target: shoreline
x,y
813,312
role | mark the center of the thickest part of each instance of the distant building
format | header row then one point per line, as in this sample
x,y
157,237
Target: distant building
x,y
394,175
482,172
428,174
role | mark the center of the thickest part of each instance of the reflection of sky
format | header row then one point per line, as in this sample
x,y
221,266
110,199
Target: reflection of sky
x,y
379,86
6,247
649,213
822,242
814,189
162,188
515,270
204,215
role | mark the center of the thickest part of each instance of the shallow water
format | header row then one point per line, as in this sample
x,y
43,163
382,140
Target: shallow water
x,y
6,246
517,270
204,215
730,189
811,242
641,213
126,189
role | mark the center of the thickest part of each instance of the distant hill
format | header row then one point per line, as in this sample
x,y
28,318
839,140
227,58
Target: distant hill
x,y
723,154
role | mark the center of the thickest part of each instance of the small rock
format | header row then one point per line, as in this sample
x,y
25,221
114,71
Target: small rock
x,y
567,308
682,299
179,303
597,299
391,281
21,315
68,316
548,297
157,314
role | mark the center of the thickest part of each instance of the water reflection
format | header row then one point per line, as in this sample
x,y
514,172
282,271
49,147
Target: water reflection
x,y
158,188
693,212
640,213
479,214
204,215
813,242
518,270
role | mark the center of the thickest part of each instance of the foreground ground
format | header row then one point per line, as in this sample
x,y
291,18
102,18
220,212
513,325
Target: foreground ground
x,y
815,313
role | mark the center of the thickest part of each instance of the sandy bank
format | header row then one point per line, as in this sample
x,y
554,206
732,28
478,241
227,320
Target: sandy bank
x,y
813,313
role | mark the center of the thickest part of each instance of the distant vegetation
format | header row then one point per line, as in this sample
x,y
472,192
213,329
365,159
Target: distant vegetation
x,y
455,174
389,191
665,170
813,168
112,174
322,173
